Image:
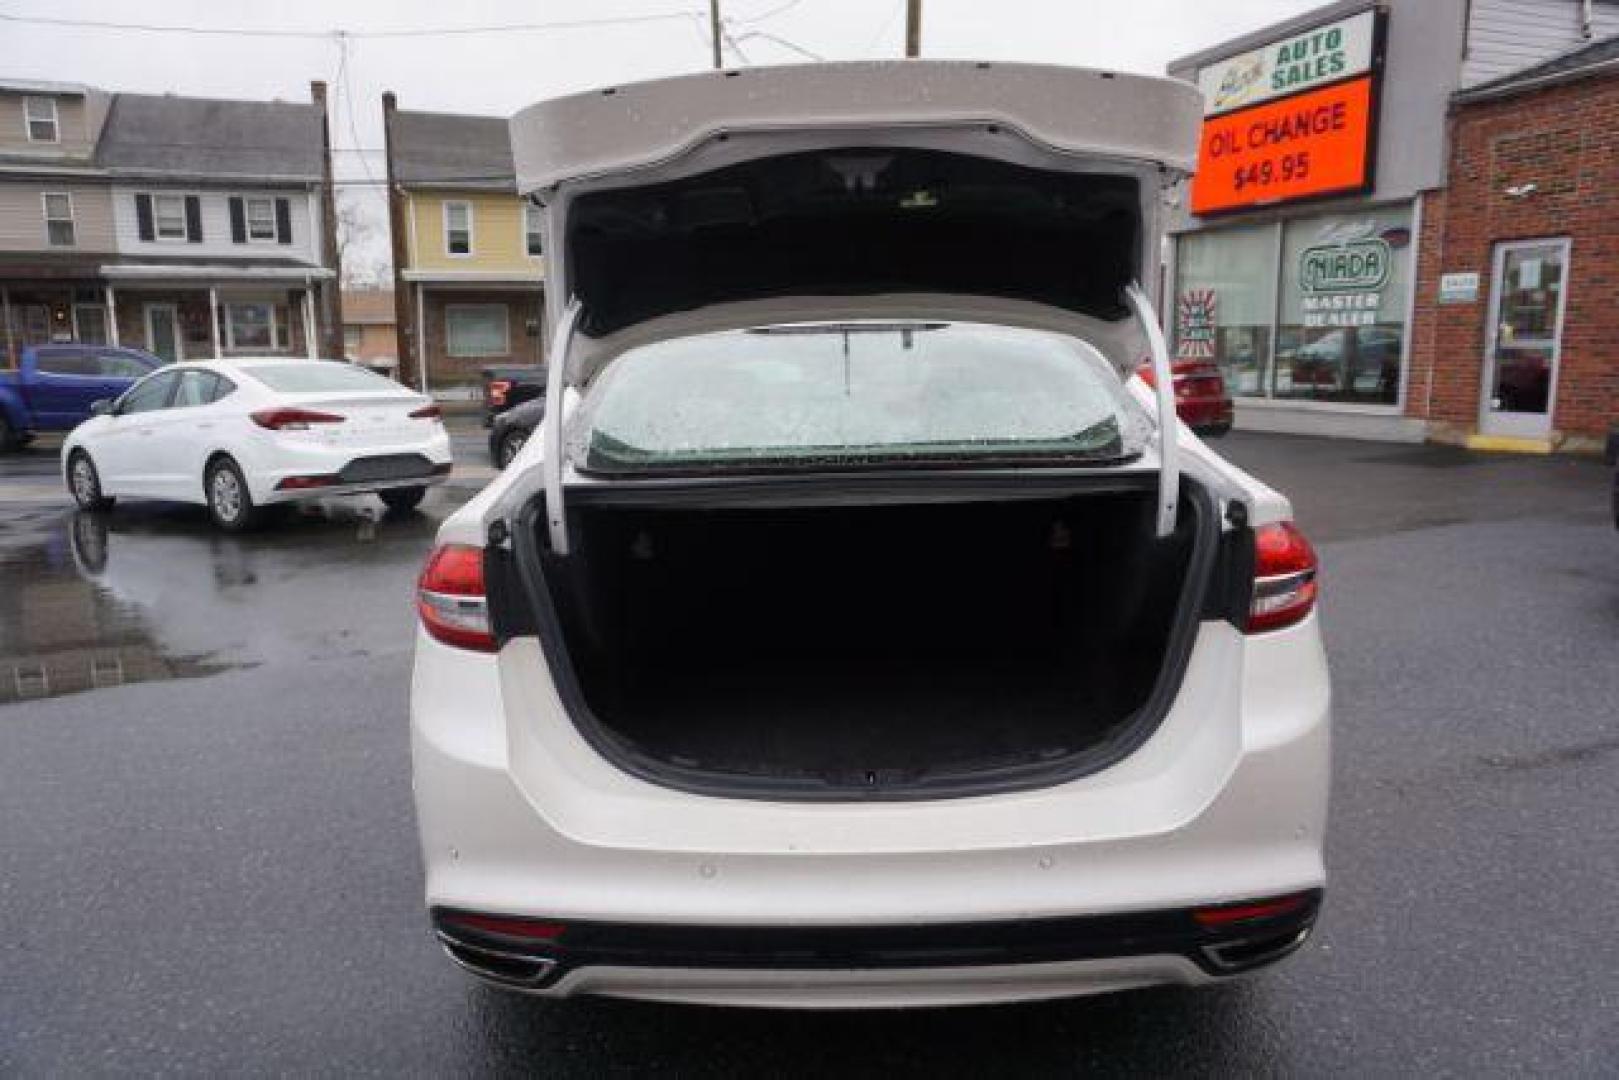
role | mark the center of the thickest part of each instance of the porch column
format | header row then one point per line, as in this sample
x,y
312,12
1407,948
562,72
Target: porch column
x,y
213,319
309,322
112,316
421,337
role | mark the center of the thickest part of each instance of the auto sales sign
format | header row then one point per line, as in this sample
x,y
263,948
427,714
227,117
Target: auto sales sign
x,y
1292,120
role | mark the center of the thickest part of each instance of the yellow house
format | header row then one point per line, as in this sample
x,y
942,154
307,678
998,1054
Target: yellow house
x,y
471,263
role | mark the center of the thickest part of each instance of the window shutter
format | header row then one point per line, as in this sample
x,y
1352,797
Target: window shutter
x,y
283,221
143,216
238,220
193,219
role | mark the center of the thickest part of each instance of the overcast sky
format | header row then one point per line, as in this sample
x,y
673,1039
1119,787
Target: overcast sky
x,y
499,72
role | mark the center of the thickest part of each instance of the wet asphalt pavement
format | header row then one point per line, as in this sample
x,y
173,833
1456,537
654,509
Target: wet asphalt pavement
x,y
207,858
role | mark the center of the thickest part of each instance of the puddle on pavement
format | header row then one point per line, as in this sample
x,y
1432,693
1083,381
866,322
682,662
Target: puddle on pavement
x,y
152,592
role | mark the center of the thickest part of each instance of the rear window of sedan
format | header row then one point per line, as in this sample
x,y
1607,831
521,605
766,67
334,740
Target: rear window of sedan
x,y
318,377
855,394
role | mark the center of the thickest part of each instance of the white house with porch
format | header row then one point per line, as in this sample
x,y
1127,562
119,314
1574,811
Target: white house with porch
x,y
217,226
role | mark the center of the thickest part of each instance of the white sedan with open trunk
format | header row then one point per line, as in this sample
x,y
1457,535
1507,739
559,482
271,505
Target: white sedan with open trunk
x,y
242,435
855,630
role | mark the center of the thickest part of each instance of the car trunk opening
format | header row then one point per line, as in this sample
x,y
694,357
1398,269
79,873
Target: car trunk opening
x,y
853,222
898,650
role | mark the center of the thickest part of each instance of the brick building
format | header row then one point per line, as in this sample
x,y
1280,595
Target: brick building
x,y
1516,325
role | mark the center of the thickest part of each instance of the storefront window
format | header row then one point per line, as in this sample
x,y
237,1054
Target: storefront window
x,y
1327,324
1225,303
1345,280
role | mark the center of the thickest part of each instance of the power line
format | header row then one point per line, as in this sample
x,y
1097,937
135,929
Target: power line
x,y
779,9
345,87
373,35
783,42
882,31
434,182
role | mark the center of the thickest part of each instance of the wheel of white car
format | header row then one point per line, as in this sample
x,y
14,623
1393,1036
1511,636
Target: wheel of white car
x,y
511,444
230,504
85,483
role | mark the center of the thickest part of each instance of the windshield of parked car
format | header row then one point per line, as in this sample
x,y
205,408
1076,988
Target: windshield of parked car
x,y
318,377
850,394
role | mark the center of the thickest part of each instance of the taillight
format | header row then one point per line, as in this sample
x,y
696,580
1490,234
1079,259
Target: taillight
x,y
498,389
427,412
450,598
293,419
1284,577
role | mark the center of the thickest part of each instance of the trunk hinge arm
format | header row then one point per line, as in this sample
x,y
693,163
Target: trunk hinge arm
x,y
552,463
1169,476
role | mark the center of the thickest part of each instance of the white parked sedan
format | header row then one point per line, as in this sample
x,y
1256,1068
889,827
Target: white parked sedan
x,y
243,434
856,630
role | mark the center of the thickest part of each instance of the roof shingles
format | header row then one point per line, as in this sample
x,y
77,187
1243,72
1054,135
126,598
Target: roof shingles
x,y
1570,65
157,135
444,150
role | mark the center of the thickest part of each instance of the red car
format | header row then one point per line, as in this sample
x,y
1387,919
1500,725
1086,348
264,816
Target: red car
x,y
1201,400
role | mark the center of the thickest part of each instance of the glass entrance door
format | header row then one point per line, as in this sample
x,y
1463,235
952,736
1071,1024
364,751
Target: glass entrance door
x,y
1524,339
163,331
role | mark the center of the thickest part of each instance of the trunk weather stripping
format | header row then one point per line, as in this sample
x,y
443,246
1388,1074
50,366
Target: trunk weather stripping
x,y
551,463
1168,424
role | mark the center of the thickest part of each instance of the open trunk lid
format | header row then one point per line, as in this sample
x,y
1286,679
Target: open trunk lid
x,y
1023,194
816,183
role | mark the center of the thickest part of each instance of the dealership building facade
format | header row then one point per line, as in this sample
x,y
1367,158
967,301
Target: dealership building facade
x,y
1315,255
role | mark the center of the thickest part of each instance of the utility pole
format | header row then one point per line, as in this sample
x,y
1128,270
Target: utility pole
x,y
331,292
714,32
913,28
404,323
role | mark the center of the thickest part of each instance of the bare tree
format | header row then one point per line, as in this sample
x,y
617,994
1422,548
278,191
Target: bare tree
x,y
359,243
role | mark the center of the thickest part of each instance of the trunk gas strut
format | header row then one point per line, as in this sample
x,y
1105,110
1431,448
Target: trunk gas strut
x,y
1169,483
556,379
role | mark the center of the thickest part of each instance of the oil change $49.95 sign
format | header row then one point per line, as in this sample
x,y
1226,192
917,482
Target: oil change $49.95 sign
x,y
1315,143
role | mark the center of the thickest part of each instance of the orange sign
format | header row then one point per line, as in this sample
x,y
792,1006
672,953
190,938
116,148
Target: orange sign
x,y
1316,143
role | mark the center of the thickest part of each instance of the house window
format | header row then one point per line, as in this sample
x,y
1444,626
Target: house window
x,y
40,115
169,216
256,325
458,228
261,219
472,330
351,341
531,230
59,219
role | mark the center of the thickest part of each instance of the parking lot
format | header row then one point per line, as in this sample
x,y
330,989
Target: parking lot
x,y
209,861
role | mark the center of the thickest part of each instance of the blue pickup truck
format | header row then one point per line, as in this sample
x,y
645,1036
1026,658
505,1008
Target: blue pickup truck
x,y
53,386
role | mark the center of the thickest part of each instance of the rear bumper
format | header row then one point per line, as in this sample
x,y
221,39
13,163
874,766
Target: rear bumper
x,y
904,964
1205,414
276,472
1225,803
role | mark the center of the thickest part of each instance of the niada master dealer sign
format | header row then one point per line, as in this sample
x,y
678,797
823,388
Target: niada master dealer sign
x,y
1291,120
1342,277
